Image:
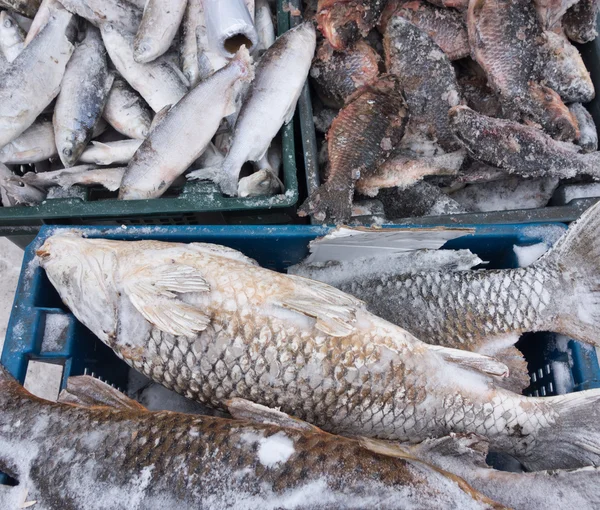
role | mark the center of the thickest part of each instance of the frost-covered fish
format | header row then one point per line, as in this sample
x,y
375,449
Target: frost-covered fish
x,y
25,7
360,139
84,92
14,191
185,131
506,38
109,153
12,37
121,13
207,322
159,25
579,22
84,175
35,144
427,79
337,75
126,111
446,27
271,102
159,82
107,451
551,11
47,7
33,80
343,22
188,50
519,149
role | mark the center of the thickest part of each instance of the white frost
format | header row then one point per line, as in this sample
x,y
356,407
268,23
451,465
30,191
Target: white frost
x,y
527,255
55,331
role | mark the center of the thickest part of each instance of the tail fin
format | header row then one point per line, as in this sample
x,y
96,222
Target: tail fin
x,y
578,255
573,440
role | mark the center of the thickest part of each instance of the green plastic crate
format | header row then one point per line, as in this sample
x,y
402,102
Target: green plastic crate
x,y
198,202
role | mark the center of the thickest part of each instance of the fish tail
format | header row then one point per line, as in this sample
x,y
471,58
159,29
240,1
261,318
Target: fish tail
x,y
578,255
225,174
573,438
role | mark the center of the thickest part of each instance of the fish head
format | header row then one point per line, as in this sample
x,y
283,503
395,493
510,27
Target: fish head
x,y
82,272
339,22
71,146
9,29
261,183
144,49
15,191
557,120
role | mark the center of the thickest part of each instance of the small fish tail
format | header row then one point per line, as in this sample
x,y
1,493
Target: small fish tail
x,y
578,255
573,440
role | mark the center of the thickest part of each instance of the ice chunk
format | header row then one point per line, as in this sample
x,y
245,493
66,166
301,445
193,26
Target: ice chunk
x,y
44,379
55,332
275,449
527,255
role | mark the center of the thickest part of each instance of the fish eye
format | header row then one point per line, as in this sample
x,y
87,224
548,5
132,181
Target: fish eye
x,y
67,152
21,184
8,23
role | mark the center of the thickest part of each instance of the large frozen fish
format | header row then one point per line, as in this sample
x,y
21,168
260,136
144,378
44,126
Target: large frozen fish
x,y
107,451
33,80
47,7
84,91
126,111
159,82
271,102
519,149
209,323
579,22
343,22
337,75
110,153
185,131
188,50
12,36
121,13
84,175
14,191
427,79
159,25
25,7
506,38
446,27
35,144
361,138
465,456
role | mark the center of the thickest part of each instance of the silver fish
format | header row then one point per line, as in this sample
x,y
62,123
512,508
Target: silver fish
x,y
110,153
47,7
208,322
263,20
122,14
12,36
33,80
127,112
159,25
158,82
84,175
271,103
14,191
184,132
188,51
35,144
97,449
84,92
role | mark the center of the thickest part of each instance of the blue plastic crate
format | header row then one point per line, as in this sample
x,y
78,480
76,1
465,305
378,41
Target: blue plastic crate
x,y
275,247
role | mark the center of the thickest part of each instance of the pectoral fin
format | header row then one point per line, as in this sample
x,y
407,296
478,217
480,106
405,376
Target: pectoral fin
x,y
90,392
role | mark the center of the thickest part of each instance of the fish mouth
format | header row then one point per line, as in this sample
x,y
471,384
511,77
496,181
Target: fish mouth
x,y
43,253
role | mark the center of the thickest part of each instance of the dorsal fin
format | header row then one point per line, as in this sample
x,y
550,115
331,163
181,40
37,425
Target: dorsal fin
x,y
88,391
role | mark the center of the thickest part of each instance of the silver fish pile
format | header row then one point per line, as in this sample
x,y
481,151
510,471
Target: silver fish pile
x,y
111,83
512,63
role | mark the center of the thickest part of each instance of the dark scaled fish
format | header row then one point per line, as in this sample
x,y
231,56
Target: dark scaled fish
x,y
361,137
101,450
519,149
446,27
579,22
588,134
505,38
343,22
427,79
339,74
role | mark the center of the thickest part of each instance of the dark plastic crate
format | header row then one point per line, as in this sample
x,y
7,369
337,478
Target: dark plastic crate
x,y
197,203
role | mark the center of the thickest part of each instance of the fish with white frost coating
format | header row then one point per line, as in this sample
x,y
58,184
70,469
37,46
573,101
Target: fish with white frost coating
x,y
33,80
126,111
84,175
121,13
14,191
519,149
84,91
35,144
208,322
109,153
271,103
158,82
185,131
159,25
579,22
47,7
12,36
98,449
188,50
